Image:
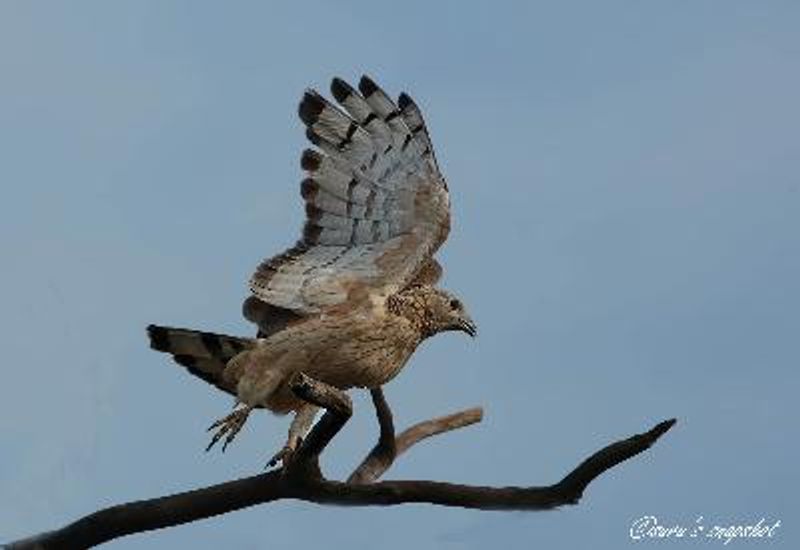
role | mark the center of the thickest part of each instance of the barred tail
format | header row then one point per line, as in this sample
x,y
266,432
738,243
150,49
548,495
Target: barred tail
x,y
204,354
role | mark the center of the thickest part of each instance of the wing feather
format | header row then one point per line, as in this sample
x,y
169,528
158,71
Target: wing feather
x,y
377,207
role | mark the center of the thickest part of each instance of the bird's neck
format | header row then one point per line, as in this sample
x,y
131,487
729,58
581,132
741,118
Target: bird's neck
x,y
411,305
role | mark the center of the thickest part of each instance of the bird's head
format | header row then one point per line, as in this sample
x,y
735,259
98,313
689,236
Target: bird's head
x,y
446,312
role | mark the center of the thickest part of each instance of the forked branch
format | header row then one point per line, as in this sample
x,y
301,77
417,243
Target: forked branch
x,y
302,480
389,447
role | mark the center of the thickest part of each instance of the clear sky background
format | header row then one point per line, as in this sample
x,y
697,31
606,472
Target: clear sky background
x,y
625,180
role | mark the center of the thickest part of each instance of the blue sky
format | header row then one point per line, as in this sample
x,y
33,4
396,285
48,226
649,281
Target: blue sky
x,y
625,180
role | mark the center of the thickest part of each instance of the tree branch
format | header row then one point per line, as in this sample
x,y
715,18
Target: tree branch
x,y
338,410
301,479
436,426
389,448
385,450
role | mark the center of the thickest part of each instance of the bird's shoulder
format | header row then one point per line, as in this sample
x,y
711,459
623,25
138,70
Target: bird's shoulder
x,y
372,318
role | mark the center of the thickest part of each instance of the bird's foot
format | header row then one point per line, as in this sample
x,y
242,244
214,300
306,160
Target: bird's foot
x,y
229,426
285,454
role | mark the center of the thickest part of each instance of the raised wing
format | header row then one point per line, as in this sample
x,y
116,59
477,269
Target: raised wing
x,y
377,206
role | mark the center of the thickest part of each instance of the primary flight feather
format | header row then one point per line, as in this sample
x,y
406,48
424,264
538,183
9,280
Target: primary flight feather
x,y
352,300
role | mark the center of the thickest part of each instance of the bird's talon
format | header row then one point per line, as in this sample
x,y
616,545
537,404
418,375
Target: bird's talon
x,y
284,456
228,426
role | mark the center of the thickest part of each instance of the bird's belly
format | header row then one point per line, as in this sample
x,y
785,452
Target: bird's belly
x,y
352,354
344,366
367,363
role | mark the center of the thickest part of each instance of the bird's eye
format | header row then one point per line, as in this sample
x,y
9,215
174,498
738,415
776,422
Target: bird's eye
x,y
455,304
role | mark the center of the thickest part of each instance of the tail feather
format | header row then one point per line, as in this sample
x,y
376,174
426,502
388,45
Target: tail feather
x,y
204,354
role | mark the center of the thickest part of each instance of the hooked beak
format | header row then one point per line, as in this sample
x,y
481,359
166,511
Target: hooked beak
x,y
467,325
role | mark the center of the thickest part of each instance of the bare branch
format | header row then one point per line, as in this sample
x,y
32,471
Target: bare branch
x,y
436,426
166,511
384,414
577,480
339,409
146,515
385,450
389,448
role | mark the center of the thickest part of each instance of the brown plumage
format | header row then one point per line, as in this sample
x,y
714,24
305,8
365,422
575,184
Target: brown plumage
x,y
352,300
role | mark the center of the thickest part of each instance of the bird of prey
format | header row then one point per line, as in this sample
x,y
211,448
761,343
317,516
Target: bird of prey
x,y
350,302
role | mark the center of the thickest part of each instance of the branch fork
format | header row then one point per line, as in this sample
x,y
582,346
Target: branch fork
x,y
300,478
